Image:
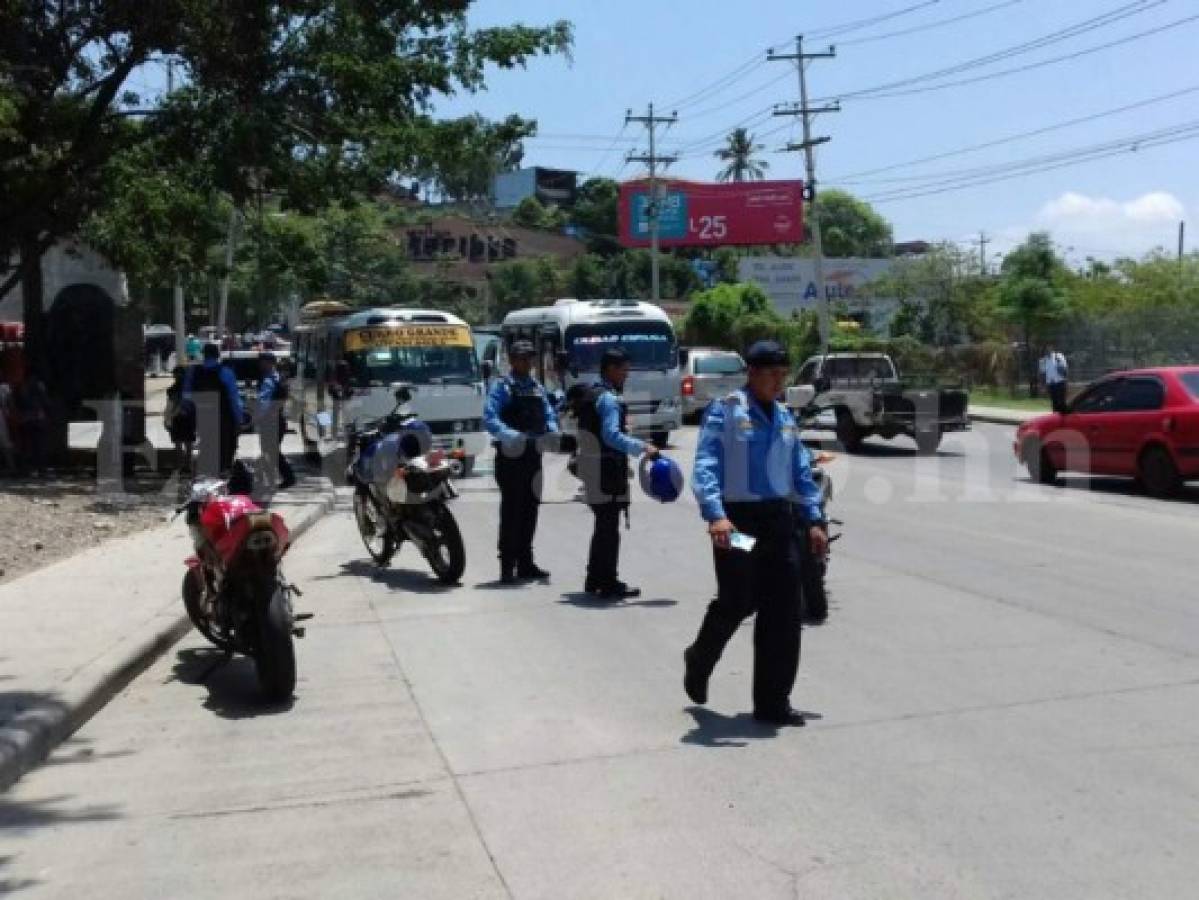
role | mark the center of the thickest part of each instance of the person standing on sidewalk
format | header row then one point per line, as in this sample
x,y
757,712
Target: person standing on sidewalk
x,y
212,387
8,462
518,416
270,419
603,465
1055,373
32,402
750,466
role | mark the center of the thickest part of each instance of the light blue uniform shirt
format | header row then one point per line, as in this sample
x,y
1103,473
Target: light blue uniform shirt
x,y
608,407
745,457
497,401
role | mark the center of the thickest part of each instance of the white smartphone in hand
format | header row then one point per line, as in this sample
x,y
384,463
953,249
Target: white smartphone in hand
x,y
741,541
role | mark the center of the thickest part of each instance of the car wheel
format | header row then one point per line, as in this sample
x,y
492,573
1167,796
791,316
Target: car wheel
x,y
1040,466
1158,473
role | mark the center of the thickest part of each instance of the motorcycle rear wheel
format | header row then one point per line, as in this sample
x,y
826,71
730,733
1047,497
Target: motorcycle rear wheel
x,y
275,658
447,553
372,526
193,594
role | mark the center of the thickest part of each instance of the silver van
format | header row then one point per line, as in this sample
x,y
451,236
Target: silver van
x,y
708,374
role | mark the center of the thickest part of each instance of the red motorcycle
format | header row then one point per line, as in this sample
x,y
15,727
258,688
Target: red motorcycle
x,y
234,591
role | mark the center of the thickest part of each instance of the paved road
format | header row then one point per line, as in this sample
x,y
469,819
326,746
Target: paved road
x,y
1007,688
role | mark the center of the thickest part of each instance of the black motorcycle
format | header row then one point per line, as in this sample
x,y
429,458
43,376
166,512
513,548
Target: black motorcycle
x,y
402,489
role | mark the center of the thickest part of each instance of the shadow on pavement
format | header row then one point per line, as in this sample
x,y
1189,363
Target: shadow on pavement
x,y
590,601
396,579
712,729
1116,487
232,683
49,811
12,885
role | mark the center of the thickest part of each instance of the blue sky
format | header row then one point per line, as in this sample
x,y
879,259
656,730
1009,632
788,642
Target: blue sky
x,y
630,53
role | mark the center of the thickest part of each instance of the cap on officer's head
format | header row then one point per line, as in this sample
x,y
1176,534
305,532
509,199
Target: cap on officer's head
x,y
613,357
767,353
522,348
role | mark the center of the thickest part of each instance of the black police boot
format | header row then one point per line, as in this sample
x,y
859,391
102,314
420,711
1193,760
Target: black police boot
x,y
530,569
508,572
618,590
695,682
780,718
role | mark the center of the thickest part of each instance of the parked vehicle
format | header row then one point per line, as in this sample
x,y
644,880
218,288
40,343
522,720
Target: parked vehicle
x,y
234,591
1141,424
866,396
402,488
431,352
708,374
572,335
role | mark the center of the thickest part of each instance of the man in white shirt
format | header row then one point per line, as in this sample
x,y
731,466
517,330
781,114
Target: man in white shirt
x,y
1055,375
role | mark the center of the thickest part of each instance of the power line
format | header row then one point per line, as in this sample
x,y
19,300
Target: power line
x,y
846,27
986,10
1178,23
1071,31
720,84
742,97
856,177
981,177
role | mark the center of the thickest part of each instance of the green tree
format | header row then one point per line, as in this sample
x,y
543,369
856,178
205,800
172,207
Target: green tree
x,y
851,227
529,212
306,100
739,158
596,212
1031,295
714,315
587,279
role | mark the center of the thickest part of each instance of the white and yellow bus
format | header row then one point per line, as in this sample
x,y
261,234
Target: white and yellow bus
x,y
348,363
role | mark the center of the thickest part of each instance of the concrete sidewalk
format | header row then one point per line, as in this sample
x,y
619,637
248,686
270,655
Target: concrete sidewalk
x,y
996,415
77,632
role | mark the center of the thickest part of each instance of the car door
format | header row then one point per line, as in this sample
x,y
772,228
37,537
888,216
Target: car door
x,y
1086,440
1136,414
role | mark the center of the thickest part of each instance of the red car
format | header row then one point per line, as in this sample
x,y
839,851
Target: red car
x,y
1142,424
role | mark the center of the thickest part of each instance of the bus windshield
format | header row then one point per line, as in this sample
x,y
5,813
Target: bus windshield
x,y
415,354
649,345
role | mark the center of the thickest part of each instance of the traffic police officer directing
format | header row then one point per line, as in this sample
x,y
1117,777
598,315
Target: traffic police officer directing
x,y
518,415
750,466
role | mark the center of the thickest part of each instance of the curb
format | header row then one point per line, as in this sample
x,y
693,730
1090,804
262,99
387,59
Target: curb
x,y
29,738
995,419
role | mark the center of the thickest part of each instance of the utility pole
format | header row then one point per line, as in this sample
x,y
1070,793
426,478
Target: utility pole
x,y
653,209
223,308
983,240
808,146
180,314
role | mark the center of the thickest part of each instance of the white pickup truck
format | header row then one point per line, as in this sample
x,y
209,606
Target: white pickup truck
x,y
863,395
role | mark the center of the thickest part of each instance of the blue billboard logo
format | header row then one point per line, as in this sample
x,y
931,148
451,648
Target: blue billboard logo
x,y
672,217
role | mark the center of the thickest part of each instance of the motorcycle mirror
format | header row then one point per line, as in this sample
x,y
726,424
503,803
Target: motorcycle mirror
x,y
403,393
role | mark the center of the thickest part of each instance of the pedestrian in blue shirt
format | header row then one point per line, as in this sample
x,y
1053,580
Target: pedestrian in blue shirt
x,y
750,469
603,464
519,417
212,387
270,419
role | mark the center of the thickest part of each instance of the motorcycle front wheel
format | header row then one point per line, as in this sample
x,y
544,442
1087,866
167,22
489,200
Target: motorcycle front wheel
x,y
372,526
193,596
275,659
446,552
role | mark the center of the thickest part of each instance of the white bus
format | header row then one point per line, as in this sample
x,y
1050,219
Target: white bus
x,y
372,350
572,335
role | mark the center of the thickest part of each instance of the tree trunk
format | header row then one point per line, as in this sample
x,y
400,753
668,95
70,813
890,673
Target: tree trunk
x,y
37,345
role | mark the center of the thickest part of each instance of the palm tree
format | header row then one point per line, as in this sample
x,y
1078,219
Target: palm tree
x,y
739,154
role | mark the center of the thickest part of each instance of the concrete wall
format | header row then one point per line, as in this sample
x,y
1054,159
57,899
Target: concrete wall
x,y
62,266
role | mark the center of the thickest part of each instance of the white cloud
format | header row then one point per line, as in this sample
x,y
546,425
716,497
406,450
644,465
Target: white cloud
x,y
1104,227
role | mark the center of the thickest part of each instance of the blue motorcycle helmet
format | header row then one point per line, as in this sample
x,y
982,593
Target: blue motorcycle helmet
x,y
661,479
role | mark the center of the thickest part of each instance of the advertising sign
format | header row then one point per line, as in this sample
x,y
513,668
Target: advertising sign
x,y
696,214
408,336
790,283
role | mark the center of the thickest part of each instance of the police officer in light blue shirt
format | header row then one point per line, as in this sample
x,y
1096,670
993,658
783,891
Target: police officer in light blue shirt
x,y
518,415
750,469
604,450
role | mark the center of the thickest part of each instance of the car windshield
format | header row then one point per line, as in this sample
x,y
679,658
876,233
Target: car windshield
x,y
1190,380
649,345
729,364
384,366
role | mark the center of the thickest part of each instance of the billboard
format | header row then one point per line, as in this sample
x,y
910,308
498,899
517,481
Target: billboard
x,y
790,283
696,214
